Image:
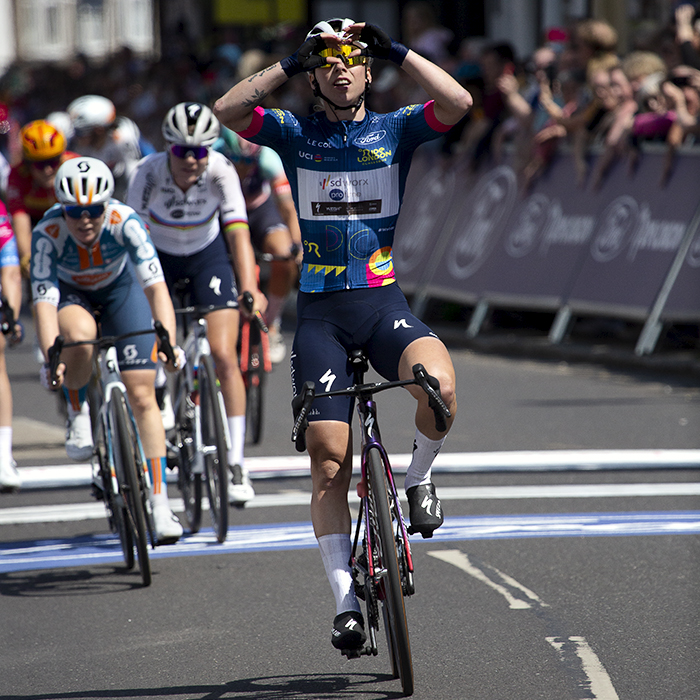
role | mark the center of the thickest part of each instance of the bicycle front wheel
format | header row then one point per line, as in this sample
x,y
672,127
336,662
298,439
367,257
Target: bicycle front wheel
x,y
213,415
127,460
390,591
189,480
117,514
254,403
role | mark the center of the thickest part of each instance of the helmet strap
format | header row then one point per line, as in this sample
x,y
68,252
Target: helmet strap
x,y
317,93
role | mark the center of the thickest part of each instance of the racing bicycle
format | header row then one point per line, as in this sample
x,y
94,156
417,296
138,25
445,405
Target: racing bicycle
x,y
381,561
124,482
201,438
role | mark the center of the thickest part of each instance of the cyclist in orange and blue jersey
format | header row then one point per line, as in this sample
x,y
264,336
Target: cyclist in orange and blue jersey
x,y
91,255
347,168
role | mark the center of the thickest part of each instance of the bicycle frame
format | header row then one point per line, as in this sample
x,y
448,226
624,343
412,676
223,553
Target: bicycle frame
x,y
195,346
370,438
109,379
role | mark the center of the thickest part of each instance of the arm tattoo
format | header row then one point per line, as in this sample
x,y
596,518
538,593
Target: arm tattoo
x,y
262,72
254,101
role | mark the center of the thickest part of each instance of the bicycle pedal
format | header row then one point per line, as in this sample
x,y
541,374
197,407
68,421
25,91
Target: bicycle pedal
x,y
353,653
425,535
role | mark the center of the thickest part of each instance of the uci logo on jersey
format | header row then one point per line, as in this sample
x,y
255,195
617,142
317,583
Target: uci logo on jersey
x,y
370,138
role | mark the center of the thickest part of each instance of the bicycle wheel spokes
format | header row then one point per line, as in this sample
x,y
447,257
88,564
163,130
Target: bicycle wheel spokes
x,y
189,479
254,402
114,502
390,585
128,464
214,444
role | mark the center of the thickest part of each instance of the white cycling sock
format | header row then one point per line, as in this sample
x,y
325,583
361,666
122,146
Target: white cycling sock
x,y
425,451
335,553
6,444
161,376
236,430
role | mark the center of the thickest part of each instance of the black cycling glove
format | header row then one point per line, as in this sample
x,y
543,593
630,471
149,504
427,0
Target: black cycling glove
x,y
381,45
305,58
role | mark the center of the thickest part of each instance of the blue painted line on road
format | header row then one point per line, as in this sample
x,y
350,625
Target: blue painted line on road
x,y
102,549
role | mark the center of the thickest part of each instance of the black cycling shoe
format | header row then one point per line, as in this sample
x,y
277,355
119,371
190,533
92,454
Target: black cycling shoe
x,y
425,510
348,631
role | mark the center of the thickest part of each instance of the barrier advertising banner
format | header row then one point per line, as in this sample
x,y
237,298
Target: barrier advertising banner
x,y
467,236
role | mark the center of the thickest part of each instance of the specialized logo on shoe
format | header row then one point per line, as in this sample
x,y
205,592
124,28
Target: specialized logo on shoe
x,y
401,323
426,503
351,624
215,285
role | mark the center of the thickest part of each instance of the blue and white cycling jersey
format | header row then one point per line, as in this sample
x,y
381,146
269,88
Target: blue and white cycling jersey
x,y
347,180
56,255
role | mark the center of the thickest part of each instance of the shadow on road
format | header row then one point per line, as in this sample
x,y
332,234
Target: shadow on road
x,y
301,687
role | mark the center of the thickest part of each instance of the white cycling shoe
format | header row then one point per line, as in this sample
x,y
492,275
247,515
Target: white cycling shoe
x,y
240,488
168,529
79,445
278,349
10,480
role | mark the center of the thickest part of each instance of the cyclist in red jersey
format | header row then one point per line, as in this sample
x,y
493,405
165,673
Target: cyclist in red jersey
x,y
30,190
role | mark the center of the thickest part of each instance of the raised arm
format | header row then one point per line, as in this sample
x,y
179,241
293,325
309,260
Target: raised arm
x,y
235,108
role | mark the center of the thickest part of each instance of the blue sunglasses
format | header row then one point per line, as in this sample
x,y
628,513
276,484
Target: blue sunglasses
x,y
183,151
94,211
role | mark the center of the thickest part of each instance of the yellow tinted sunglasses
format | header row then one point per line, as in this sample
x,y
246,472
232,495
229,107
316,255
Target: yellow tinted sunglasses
x,y
342,52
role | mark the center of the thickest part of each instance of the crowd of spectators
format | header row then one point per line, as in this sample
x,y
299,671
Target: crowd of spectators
x,y
576,90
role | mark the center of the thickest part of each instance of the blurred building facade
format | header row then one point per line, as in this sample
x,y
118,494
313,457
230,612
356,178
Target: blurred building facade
x,y
57,30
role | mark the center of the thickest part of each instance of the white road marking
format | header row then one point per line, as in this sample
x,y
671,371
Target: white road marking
x,y
598,685
446,462
463,562
91,510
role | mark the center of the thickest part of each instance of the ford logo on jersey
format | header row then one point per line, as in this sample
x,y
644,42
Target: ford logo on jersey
x,y
370,138
336,195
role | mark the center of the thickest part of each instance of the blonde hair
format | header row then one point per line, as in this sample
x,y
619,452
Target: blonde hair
x,y
598,34
639,64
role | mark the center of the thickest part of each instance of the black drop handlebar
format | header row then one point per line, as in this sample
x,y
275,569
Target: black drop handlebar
x,y
59,344
430,385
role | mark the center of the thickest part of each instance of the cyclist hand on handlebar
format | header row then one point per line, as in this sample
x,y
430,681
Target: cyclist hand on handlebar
x,y
259,303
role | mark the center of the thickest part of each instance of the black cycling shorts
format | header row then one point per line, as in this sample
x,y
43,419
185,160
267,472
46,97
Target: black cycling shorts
x,y
330,324
209,271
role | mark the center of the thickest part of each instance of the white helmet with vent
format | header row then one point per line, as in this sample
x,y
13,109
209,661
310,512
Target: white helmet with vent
x,y
336,26
191,124
84,181
90,111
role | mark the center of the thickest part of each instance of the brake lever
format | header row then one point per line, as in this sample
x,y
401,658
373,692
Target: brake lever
x,y
431,386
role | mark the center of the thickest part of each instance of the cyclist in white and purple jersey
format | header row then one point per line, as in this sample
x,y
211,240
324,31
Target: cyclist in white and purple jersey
x,y
347,168
10,302
92,255
190,198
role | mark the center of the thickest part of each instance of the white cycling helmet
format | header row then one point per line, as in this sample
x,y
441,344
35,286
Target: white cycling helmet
x,y
90,111
191,124
336,26
62,122
84,181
